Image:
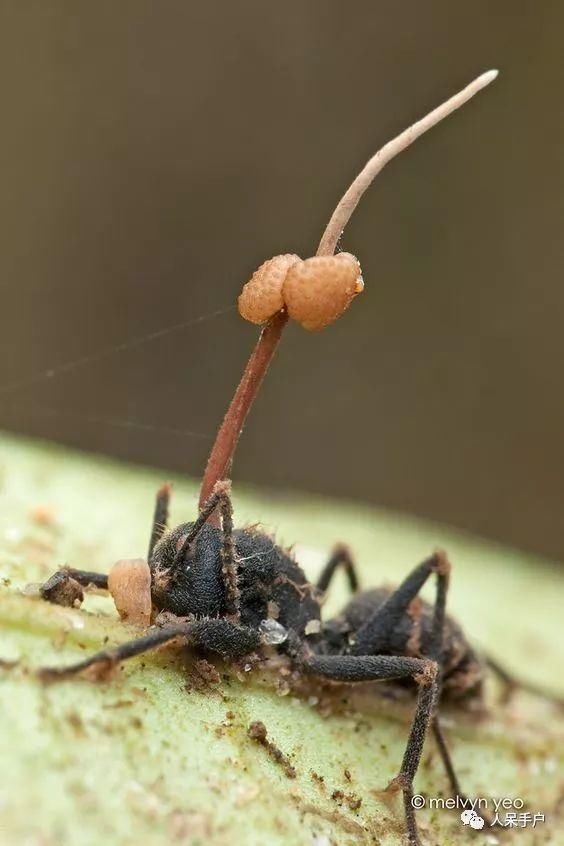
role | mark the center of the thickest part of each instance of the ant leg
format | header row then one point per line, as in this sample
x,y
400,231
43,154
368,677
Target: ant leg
x,y
436,653
356,668
374,634
86,578
216,635
376,631
221,496
446,758
108,658
229,567
511,684
340,557
65,586
160,517
450,771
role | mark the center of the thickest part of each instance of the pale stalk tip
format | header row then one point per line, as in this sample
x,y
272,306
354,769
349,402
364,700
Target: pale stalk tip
x,y
487,77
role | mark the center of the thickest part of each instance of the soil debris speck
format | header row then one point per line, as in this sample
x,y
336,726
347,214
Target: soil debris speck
x,y
345,823
203,677
318,779
257,731
342,798
62,589
75,721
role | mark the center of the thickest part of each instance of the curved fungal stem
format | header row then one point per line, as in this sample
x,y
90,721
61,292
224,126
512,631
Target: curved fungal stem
x,y
221,455
352,195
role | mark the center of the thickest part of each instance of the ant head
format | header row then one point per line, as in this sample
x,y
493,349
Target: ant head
x,y
186,572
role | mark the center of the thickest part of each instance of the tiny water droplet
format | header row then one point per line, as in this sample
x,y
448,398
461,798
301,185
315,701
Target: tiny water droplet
x,y
272,632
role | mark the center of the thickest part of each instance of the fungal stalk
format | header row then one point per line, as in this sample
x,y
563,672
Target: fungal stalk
x,y
293,297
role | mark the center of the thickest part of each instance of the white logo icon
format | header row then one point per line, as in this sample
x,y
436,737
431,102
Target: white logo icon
x,y
472,819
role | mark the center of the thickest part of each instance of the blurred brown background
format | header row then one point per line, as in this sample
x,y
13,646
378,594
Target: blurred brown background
x,y
153,154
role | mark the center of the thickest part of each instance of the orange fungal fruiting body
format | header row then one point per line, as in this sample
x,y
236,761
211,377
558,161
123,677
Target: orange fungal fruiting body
x,y
261,297
318,290
315,292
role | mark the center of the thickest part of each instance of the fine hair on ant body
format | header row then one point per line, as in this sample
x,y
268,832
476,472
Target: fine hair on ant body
x,y
232,592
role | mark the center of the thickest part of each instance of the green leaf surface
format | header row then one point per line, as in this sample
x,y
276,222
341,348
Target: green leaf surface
x,y
160,754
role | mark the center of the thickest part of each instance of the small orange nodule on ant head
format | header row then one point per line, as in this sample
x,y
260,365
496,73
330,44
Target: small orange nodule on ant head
x,y
129,583
315,292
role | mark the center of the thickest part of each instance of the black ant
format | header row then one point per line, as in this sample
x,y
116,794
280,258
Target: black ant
x,y
233,591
